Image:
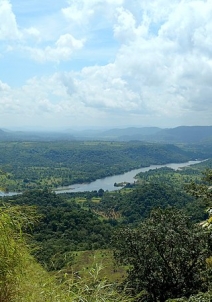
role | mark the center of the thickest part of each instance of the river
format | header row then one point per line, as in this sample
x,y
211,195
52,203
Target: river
x,y
107,183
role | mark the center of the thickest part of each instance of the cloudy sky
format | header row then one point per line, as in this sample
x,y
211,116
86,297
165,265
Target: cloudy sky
x,y
105,63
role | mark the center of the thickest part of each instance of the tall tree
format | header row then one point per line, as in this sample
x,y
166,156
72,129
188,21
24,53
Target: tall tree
x,y
165,254
202,191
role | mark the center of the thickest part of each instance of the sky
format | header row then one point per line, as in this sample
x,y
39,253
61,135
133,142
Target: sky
x,y
80,64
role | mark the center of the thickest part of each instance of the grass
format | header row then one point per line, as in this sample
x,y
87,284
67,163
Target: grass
x,y
22,279
87,260
39,286
96,199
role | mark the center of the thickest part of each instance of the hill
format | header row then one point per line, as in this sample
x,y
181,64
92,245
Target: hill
x,y
27,165
7,135
131,133
182,134
185,134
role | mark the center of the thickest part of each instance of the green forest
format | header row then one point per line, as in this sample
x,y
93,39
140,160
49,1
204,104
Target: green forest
x,y
32,165
150,241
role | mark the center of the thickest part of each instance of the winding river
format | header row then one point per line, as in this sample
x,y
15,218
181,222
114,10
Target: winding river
x,y
107,183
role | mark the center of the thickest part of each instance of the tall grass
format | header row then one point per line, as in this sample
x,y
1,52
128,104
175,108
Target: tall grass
x,y
22,279
39,286
11,257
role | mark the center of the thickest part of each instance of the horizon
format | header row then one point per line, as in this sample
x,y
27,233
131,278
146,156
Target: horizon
x,y
95,129
89,64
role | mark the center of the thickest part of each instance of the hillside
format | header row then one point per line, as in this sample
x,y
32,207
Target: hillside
x,y
181,134
7,135
185,134
30,165
73,234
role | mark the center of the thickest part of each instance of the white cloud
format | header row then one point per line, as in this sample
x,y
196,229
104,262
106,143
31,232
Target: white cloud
x,y
8,25
33,40
62,50
81,11
32,32
76,13
103,88
162,67
4,87
125,27
167,65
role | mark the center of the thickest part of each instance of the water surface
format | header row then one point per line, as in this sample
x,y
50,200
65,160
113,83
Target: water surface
x,y
107,183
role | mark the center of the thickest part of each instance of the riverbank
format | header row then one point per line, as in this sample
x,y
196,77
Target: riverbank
x,y
107,183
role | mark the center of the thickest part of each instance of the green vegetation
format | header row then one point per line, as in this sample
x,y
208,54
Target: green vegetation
x,y
135,205
63,227
163,257
60,247
84,261
29,165
166,254
23,280
176,178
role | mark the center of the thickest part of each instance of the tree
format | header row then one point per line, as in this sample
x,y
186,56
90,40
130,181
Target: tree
x,y
202,191
165,255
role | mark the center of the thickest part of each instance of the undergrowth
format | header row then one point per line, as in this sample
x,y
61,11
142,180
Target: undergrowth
x,y
22,279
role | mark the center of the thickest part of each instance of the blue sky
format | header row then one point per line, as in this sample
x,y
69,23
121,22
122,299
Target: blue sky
x,y
105,63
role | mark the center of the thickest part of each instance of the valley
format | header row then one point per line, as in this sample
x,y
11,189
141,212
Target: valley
x,y
71,233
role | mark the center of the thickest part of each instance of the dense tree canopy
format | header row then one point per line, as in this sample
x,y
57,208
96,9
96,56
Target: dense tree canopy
x,y
63,227
136,204
29,165
165,254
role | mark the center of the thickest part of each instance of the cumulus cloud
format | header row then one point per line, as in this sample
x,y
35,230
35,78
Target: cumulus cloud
x,y
81,11
76,13
33,33
62,50
173,62
162,67
32,41
8,25
124,29
103,88
4,87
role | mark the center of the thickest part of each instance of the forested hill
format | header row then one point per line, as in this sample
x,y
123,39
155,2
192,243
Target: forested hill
x,y
185,134
150,227
7,135
27,165
182,134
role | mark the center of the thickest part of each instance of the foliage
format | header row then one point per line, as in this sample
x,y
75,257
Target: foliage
x,y
200,297
63,227
94,289
39,286
134,206
203,190
13,252
84,261
29,165
23,280
165,254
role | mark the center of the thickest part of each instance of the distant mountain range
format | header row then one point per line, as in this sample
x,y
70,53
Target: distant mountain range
x,y
7,135
181,134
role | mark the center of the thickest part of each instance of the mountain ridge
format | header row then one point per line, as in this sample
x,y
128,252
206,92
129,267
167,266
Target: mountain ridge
x,y
180,134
